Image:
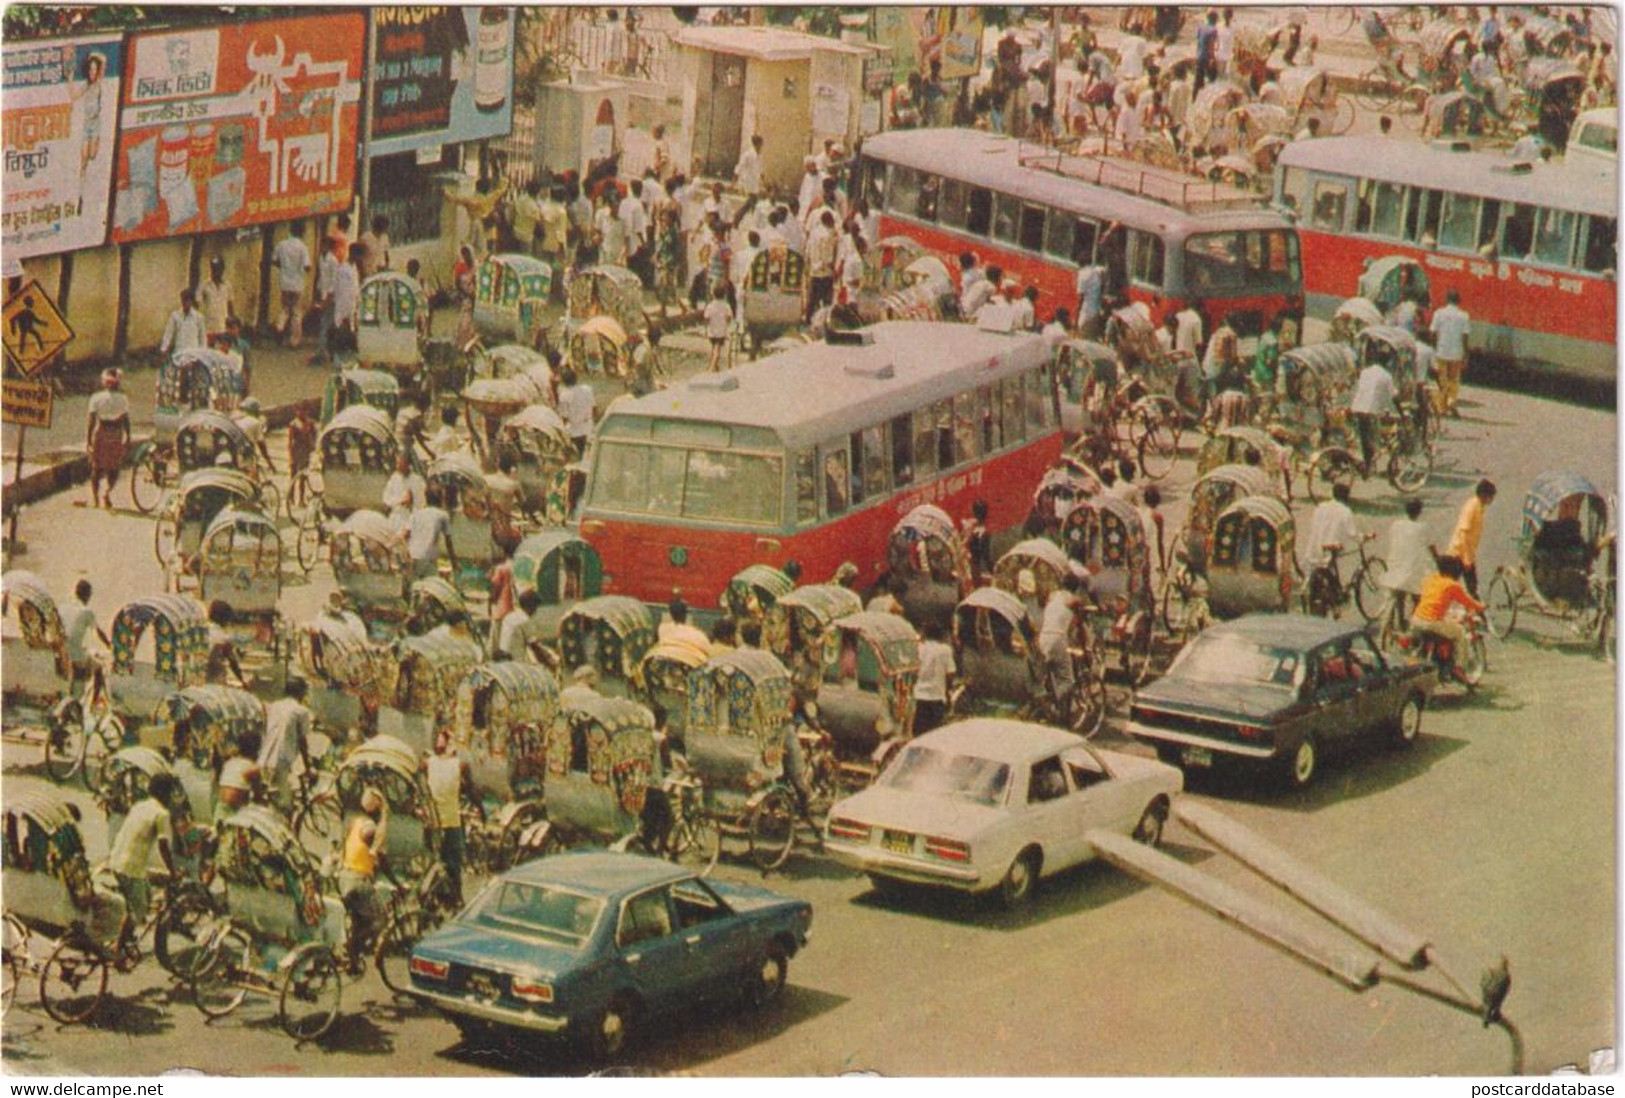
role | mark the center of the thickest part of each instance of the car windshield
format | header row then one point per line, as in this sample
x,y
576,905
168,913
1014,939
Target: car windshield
x,y
537,910
923,770
1223,660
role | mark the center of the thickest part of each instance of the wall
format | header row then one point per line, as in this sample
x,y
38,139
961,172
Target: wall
x,y
158,271
93,304
782,121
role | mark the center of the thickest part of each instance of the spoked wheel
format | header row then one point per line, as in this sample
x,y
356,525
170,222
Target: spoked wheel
x,y
1409,469
766,980
13,959
1368,598
394,950
65,741
1328,469
105,737
505,851
1136,653
1473,659
696,843
304,494
147,482
1158,428
1342,116
308,545
772,830
73,982
318,821
1502,606
270,499
1319,594
178,940
220,971
165,536
1393,625
1088,709
312,993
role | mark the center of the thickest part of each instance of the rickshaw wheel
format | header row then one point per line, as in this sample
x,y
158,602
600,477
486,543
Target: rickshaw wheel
x,y
312,993
1088,706
772,830
1330,467
394,951
64,743
106,736
147,482
1501,603
505,851
270,499
1136,653
1408,471
1474,660
319,819
1368,598
304,493
176,941
308,545
14,955
165,535
1342,116
696,842
219,970
73,982
1159,445
1318,597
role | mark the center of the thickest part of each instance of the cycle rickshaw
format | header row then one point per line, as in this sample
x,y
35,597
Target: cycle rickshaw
x,y
160,645
512,360
188,511
342,665
771,296
799,629
125,782
562,569
1004,674
1251,560
1565,568
1042,558
1088,374
356,386
511,292
866,700
476,528
240,565
536,439
36,653
600,345
1390,280
1408,450
282,931
1235,445
189,381
500,722
611,634
739,713
201,727
1454,114
358,452
1105,536
753,591
433,602
494,399
1213,492
927,554
662,684
392,324
608,291
207,439
1351,318
1062,485
602,764
419,698
1307,92
371,567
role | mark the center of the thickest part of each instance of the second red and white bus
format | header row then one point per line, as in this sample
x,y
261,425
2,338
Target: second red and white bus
x,y
1163,238
1531,250
814,454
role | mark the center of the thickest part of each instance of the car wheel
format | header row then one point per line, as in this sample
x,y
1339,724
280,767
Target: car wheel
x,y
1149,829
1409,724
1017,887
766,980
1303,763
611,1029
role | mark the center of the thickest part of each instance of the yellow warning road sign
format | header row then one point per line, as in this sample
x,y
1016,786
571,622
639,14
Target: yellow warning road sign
x,y
32,329
26,403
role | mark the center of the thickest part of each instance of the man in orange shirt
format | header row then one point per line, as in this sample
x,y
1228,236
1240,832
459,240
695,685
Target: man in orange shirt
x,y
1440,592
1469,531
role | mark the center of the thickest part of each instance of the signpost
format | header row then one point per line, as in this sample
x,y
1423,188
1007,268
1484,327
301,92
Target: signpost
x,y
34,332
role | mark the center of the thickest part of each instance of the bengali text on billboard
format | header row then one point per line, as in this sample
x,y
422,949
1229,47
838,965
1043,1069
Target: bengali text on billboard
x,y
440,75
238,124
59,103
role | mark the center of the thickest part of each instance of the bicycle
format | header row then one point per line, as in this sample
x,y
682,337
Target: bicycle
x,y
1403,451
83,732
1325,594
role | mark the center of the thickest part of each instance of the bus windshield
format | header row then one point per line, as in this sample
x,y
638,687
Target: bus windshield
x,y
1254,260
688,482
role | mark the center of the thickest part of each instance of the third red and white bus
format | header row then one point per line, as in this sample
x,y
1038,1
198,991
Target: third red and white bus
x,y
1531,249
813,455
1164,238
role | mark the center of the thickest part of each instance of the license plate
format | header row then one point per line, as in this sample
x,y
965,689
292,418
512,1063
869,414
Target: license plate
x,y
898,842
482,986
1196,756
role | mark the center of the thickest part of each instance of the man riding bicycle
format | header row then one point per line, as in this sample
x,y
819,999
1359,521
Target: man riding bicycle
x,y
1440,592
1332,529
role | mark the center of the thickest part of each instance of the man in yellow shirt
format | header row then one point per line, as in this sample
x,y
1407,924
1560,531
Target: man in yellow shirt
x,y
1440,592
1468,532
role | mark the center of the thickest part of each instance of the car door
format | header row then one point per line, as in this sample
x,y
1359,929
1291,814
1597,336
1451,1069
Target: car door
x,y
1336,692
1098,799
1376,683
1053,817
716,938
661,968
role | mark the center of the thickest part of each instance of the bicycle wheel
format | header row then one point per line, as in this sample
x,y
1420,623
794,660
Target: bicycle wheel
x,y
64,741
165,535
177,940
270,499
1159,444
101,741
394,952
1320,594
220,971
312,993
147,478
1501,602
319,820
772,830
1409,469
304,493
308,543
1342,115
1135,653
1367,595
1328,469
696,842
1088,708
13,959
74,981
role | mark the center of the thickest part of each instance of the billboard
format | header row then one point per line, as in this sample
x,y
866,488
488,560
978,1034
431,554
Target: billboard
x,y
58,106
917,36
440,75
238,124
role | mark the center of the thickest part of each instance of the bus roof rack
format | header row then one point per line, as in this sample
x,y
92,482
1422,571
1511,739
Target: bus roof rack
x,y
1171,188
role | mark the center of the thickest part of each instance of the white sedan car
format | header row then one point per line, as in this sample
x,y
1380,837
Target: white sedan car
x,y
984,804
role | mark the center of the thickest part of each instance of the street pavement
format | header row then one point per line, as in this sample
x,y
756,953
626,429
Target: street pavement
x,y
1493,836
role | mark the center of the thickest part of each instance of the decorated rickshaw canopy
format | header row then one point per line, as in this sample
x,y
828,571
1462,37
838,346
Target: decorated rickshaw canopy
x,y
893,639
1250,479
46,807
383,753
925,522
180,628
504,396
368,383
1394,336
767,583
1383,279
459,467
440,593
438,660
1262,521
1070,479
825,602
667,664
1329,359
1025,555
537,563
619,717
1300,81
368,526
1548,493
390,298
362,419
246,525
603,327
24,594
204,436
1358,309
180,378
335,649
755,686
144,759
253,837
535,417
625,630
203,492
999,602
529,693
216,714
510,360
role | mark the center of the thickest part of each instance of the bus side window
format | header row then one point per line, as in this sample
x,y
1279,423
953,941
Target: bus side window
x,y
1294,189
944,410
1032,227
1458,225
1010,413
1058,238
1006,218
1554,239
1083,242
855,441
1145,259
979,211
930,188
1489,224
1035,398
837,485
874,462
1518,232
987,412
966,429
925,444
806,488
903,196
874,184
1382,209
1599,252
1425,212
951,203
902,452
1331,198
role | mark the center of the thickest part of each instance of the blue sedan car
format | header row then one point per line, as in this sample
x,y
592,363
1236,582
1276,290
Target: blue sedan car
x,y
588,945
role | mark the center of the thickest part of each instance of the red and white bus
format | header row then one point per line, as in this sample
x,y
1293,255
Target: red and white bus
x,y
813,455
1163,238
1531,249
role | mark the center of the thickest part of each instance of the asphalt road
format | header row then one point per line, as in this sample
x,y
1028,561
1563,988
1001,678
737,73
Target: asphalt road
x,y
1494,835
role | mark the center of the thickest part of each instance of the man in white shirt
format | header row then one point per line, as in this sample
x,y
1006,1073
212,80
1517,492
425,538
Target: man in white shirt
x,y
347,299
376,242
1372,402
81,624
577,407
149,825
1224,42
404,492
1091,288
185,329
1188,334
292,262
1451,328
287,741
812,184
931,686
427,531
214,298
1410,561
748,172
635,217
1055,635
719,318
1024,306
517,628
1131,53
1055,332
978,293
1332,526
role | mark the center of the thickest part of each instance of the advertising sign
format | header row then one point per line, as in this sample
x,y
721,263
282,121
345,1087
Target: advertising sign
x,y
918,36
440,75
957,41
60,102
26,403
238,124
